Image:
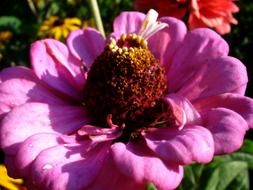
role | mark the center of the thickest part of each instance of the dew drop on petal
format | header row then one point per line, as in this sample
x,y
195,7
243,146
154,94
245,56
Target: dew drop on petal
x,y
47,167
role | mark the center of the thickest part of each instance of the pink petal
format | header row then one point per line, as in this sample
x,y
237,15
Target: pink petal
x,y
199,46
20,85
33,118
85,45
111,178
50,61
239,104
135,161
67,167
12,170
98,134
192,143
127,23
227,127
30,149
16,72
164,43
230,73
183,110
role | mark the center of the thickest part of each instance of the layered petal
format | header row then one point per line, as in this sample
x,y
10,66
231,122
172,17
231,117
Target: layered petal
x,y
229,71
135,161
182,110
30,149
227,127
9,161
20,85
127,23
52,64
85,45
199,47
33,118
191,144
239,104
164,43
66,166
111,178
98,134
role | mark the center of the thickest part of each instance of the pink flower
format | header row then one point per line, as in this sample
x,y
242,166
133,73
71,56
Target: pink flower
x,y
216,14
118,113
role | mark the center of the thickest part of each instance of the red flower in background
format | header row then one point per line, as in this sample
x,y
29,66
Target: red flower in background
x,y
216,14
175,8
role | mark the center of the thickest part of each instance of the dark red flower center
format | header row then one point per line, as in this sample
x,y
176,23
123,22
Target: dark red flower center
x,y
127,82
58,22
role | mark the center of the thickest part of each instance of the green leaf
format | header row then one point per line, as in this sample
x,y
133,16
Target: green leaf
x,y
151,186
223,175
189,180
10,23
241,182
243,156
247,146
192,175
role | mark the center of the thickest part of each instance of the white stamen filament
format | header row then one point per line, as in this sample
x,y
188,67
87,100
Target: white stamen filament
x,y
150,25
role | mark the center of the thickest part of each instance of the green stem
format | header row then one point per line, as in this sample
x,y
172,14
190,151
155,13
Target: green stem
x,y
32,7
97,17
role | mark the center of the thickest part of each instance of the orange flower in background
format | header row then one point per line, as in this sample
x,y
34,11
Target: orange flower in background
x,y
216,14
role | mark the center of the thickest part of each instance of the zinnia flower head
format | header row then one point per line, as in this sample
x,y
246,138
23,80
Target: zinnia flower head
x,y
216,14
122,112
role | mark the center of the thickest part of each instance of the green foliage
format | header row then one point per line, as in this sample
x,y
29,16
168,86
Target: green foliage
x,y
151,186
223,173
10,23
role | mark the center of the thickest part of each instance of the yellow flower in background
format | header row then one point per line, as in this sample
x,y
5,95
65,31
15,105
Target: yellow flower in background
x,y
5,37
8,183
58,28
88,23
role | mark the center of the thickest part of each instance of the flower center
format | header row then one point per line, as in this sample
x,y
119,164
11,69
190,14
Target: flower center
x,y
58,22
127,83
126,80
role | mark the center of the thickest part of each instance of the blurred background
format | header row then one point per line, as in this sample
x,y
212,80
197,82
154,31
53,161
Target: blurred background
x,y
24,21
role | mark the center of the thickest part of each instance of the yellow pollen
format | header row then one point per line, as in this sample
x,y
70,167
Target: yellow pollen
x,y
123,37
126,43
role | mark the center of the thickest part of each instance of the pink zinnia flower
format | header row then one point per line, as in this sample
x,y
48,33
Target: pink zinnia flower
x,y
216,14
118,113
